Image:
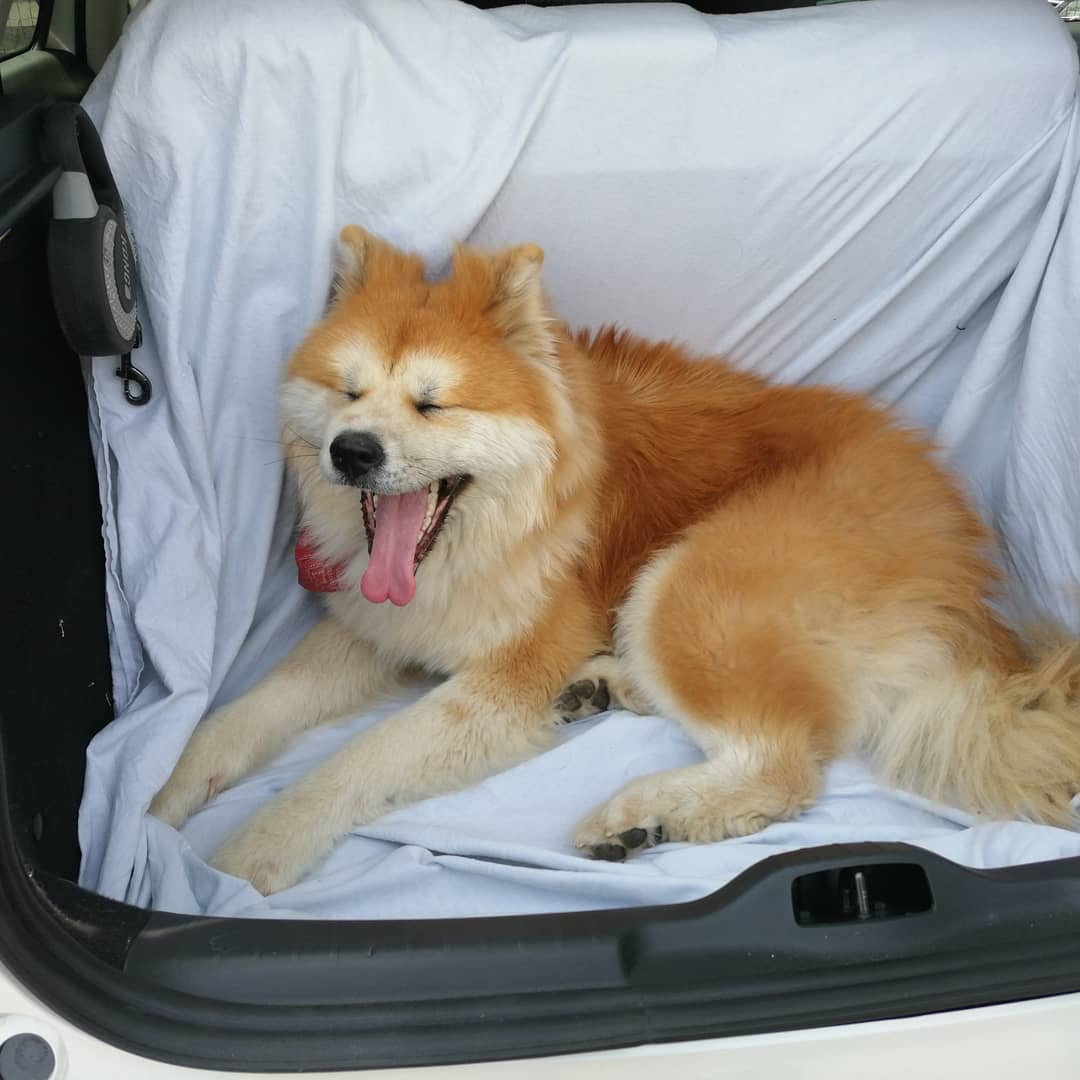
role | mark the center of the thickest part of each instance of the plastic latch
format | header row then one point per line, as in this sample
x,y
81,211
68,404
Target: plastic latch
x,y
860,893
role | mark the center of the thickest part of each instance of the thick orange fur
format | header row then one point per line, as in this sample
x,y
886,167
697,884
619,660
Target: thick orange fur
x,y
786,571
829,586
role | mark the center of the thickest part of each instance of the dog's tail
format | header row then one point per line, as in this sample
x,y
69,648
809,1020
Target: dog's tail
x,y
998,739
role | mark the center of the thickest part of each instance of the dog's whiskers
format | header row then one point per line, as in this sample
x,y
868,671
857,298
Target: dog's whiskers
x,y
307,442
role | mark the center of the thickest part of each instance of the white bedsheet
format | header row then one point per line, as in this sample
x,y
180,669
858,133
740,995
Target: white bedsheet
x,y
876,194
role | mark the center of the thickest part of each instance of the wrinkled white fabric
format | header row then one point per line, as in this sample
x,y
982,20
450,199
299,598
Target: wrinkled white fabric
x,y
879,195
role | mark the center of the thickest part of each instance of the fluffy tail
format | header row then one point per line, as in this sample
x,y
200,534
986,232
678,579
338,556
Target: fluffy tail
x,y
997,743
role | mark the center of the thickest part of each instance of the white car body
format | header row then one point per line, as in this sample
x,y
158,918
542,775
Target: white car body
x,y
999,1042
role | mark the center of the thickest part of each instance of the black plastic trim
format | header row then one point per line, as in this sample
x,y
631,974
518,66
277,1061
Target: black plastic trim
x,y
24,194
79,18
297,996
56,679
46,71
25,177
44,23
734,941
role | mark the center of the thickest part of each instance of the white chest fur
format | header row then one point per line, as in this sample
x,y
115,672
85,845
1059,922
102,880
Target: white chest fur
x,y
437,631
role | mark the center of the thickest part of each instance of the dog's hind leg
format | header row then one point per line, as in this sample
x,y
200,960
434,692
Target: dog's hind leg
x,y
745,683
327,676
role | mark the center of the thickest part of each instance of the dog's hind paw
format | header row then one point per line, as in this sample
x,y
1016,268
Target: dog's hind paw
x,y
692,804
628,842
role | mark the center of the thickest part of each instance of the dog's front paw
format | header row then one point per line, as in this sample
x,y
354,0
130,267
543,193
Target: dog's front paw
x,y
210,762
281,843
185,791
583,698
261,857
599,684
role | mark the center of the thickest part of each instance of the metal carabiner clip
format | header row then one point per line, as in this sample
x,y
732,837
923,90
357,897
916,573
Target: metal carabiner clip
x,y
133,377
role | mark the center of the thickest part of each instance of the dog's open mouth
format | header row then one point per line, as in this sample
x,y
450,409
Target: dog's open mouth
x,y
401,530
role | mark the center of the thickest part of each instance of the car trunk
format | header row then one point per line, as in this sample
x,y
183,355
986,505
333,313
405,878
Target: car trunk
x,y
822,936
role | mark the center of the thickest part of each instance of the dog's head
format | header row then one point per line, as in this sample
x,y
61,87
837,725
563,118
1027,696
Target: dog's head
x,y
439,406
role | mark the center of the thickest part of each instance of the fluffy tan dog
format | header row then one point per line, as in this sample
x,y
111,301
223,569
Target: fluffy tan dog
x,y
784,571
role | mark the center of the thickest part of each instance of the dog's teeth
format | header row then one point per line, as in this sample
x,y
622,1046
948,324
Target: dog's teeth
x,y
432,502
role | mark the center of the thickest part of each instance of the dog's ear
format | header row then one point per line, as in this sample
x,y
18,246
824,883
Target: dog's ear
x,y
365,260
354,246
518,306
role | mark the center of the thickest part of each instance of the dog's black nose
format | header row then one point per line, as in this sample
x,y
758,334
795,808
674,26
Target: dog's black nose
x,y
355,454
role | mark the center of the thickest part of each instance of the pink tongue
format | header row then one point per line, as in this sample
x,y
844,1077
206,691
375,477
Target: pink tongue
x,y
389,575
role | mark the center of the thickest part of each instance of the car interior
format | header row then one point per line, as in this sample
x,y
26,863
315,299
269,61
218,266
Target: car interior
x,y
821,936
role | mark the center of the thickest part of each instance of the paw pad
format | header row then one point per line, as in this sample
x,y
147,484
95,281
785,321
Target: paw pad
x,y
630,842
608,852
583,698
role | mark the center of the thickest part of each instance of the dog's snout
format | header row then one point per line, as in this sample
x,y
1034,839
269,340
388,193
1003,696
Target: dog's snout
x,y
356,453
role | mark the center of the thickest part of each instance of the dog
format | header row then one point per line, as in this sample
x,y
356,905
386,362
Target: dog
x,y
561,523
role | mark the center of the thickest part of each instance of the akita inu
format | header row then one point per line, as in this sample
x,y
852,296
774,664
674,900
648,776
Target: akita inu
x,y
561,523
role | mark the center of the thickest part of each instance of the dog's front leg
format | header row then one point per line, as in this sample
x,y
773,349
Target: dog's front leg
x,y
327,676
480,721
